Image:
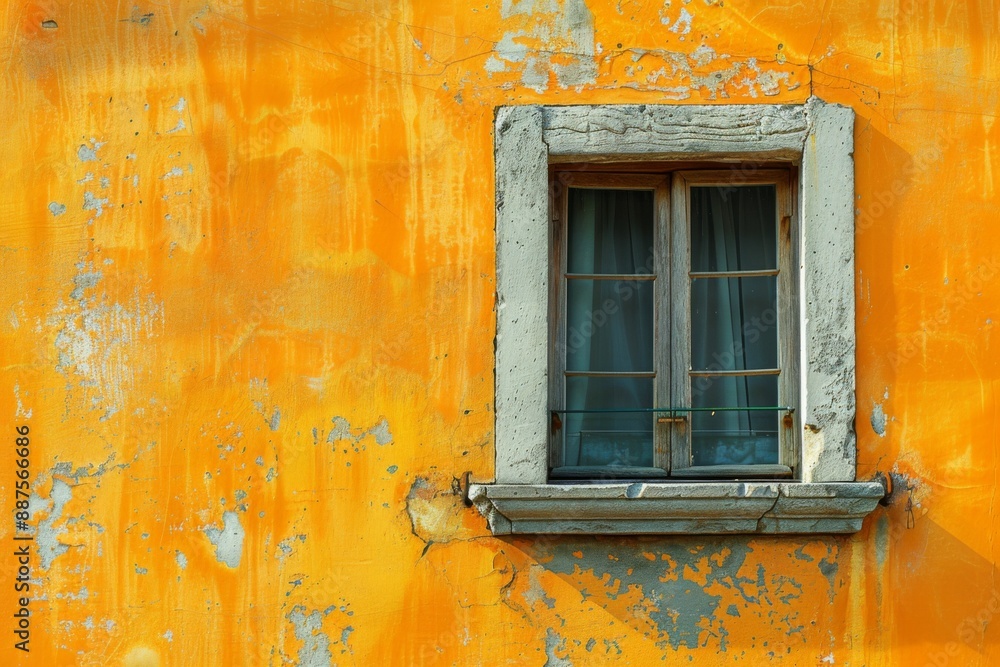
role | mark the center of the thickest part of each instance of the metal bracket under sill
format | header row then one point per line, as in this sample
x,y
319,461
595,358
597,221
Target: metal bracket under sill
x,y
651,508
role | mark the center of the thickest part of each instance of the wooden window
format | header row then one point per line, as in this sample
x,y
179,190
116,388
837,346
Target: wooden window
x,y
676,476
673,331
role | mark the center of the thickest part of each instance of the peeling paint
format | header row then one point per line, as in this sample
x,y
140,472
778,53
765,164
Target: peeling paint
x,y
84,280
342,430
87,153
256,320
19,410
564,31
878,420
683,588
229,540
315,650
47,537
97,340
434,508
553,643
95,204
683,24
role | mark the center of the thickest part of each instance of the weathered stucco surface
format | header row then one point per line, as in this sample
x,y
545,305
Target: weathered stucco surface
x,y
249,319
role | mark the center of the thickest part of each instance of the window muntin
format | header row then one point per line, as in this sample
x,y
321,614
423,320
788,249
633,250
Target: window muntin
x,y
673,325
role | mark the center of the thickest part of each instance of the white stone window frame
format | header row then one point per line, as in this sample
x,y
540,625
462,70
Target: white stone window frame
x,y
817,137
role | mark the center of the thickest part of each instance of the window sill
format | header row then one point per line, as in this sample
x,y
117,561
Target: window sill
x,y
645,508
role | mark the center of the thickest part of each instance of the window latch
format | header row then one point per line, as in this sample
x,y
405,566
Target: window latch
x,y
681,421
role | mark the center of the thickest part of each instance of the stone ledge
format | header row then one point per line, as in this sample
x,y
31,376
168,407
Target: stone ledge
x,y
647,508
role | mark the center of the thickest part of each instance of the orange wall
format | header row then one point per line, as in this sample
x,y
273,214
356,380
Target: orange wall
x,y
247,316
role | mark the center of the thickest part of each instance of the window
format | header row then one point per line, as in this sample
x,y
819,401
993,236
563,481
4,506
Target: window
x,y
672,344
738,427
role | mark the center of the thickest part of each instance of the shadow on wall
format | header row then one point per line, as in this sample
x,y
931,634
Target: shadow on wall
x,y
698,592
771,597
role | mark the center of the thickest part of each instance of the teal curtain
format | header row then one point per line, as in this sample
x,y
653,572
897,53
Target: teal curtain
x,y
609,327
734,324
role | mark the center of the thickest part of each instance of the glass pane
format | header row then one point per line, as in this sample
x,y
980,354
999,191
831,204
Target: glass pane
x,y
609,325
734,323
733,228
610,231
608,438
734,437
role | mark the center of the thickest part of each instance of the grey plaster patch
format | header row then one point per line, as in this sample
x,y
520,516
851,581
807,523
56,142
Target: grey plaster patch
x,y
83,594
381,432
566,32
683,24
800,554
703,55
285,546
95,204
84,280
345,635
882,541
315,650
182,561
679,607
553,643
535,593
97,341
86,153
19,410
66,469
275,420
49,547
229,540
342,431
55,208
829,568
878,420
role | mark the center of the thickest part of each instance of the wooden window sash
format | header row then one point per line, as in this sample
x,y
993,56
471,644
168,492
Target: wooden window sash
x,y
786,320
672,316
